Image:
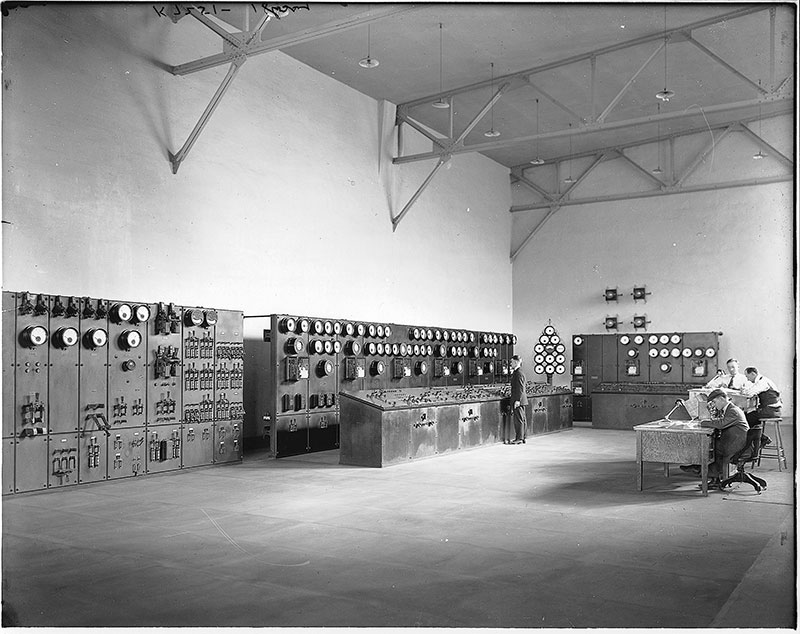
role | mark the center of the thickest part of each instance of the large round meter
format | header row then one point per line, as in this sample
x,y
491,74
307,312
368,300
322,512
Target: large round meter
x,y
325,368
121,312
317,347
65,337
328,327
294,345
422,367
490,367
130,339
33,336
304,325
141,314
318,327
328,347
287,324
458,367
193,317
95,338
210,317
349,329
378,368
354,347
380,347
379,330
361,329
441,349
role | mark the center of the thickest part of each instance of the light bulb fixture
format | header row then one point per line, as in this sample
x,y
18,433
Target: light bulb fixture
x,y
569,178
611,294
538,160
441,102
666,94
611,323
760,155
640,321
658,169
491,132
368,61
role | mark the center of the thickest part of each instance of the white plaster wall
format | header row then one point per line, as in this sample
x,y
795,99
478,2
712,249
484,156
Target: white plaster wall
x,y
282,204
719,260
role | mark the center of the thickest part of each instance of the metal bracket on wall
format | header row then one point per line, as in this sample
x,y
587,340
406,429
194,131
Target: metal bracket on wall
x,y
240,45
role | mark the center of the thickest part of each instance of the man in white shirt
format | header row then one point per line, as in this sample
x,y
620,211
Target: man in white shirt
x,y
734,380
769,399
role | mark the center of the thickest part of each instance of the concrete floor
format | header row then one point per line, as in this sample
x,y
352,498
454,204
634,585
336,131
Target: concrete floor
x,y
548,534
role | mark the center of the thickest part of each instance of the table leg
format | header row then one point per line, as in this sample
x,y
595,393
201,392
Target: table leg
x,y
704,465
639,465
666,469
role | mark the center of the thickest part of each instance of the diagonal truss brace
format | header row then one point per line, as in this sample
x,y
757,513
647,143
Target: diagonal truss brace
x,y
240,46
396,219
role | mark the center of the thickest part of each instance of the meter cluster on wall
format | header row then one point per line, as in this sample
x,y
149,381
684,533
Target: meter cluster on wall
x,y
660,358
97,389
297,366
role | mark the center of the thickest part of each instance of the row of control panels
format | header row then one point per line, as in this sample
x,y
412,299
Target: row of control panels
x,y
87,367
297,365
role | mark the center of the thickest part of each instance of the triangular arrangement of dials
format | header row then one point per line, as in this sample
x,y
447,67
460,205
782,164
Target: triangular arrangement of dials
x,y
548,353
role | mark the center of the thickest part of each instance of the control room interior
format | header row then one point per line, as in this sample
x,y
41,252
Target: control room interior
x,y
202,204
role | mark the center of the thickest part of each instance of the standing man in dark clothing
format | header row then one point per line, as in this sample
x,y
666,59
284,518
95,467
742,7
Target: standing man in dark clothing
x,y
519,399
732,426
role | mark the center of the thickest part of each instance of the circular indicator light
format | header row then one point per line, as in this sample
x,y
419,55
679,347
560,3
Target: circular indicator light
x,y
638,340
560,358
211,317
128,365
349,329
130,339
675,353
414,333
624,340
699,352
663,352
361,329
65,337
371,330
560,348
549,330
555,339
577,341
560,369
675,339
327,326
710,352
653,352
538,348
663,339
472,337
337,328
317,347
686,353
304,325
416,349
539,358
328,347
141,314
318,327
665,367
395,348
633,353
95,338
549,369
403,349
379,348
539,369
387,330
549,358
544,339
445,335
337,346
379,330
121,312
371,348
653,339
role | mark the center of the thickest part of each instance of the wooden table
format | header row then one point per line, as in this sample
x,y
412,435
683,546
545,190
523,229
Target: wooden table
x,y
673,441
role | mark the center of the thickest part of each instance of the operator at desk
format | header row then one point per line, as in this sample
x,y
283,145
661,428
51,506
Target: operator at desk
x,y
732,425
734,380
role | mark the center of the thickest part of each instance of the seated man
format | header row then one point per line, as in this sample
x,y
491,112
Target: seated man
x,y
733,380
769,399
732,426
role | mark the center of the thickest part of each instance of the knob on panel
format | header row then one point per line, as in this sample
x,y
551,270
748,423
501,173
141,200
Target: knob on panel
x,y
33,336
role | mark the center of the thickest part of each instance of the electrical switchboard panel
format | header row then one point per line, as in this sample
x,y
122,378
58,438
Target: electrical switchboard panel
x,y
297,366
97,389
639,357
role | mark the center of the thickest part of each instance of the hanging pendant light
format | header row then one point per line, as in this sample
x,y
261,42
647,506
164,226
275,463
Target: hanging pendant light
x,y
368,61
760,155
658,169
538,160
491,132
666,94
440,102
569,178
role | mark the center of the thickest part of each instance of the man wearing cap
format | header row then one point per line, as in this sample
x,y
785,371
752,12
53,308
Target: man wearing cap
x,y
732,426
519,399
733,380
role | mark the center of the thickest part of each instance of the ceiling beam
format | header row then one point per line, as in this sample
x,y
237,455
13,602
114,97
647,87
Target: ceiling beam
x,y
702,155
596,127
725,64
760,141
396,219
653,139
783,178
535,230
523,74
600,157
556,102
629,83
306,35
517,176
650,175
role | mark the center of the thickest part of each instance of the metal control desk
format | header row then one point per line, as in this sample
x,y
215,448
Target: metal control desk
x,y
674,441
384,427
